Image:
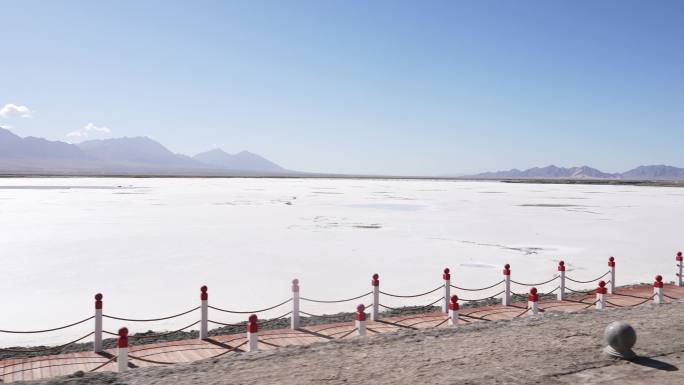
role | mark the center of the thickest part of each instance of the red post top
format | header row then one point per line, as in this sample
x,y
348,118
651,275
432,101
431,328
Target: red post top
x,y
295,285
446,276
602,288
123,338
658,282
453,303
376,280
252,326
204,296
507,269
679,256
561,266
98,301
360,312
611,262
533,296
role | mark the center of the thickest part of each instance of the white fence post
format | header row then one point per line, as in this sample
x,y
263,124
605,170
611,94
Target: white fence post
x,y
506,299
122,350
97,338
680,266
252,333
204,309
294,324
611,265
532,301
360,320
375,313
453,311
658,290
447,289
561,270
601,295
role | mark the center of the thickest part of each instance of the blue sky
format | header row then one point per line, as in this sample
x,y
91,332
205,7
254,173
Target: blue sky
x,y
397,87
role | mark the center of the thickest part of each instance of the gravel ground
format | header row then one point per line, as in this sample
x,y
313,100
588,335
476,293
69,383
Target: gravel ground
x,y
556,348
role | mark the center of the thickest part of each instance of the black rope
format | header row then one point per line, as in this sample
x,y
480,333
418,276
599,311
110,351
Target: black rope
x,y
591,304
224,324
46,349
536,284
151,319
151,361
579,291
243,323
319,315
484,288
473,317
551,292
595,279
644,301
251,311
259,322
346,334
614,304
234,348
629,295
54,366
46,330
482,299
444,321
335,301
103,364
142,337
416,307
521,313
412,296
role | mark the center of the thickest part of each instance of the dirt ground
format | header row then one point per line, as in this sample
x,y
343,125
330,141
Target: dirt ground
x,y
556,348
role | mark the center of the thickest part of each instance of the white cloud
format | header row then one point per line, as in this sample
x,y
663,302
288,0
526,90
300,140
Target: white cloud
x,y
14,111
88,130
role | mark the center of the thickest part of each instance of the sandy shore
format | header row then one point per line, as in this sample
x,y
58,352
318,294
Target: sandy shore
x,y
558,348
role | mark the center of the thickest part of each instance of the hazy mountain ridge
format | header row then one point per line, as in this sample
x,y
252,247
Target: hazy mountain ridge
x,y
244,160
129,156
651,172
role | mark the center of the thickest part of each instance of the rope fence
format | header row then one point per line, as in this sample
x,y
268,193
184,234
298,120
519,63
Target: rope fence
x,y
590,281
479,289
151,319
47,330
337,300
411,296
537,284
448,302
414,307
251,311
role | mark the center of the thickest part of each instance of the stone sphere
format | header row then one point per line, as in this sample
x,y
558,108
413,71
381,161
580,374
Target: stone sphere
x,y
620,337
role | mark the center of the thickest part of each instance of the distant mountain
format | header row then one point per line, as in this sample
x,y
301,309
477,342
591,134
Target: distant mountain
x,y
657,172
241,161
140,151
548,172
125,156
16,147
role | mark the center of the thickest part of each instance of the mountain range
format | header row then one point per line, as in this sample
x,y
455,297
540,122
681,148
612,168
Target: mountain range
x,y
652,172
125,156
144,156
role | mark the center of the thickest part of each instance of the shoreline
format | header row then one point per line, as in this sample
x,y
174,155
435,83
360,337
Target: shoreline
x,y
589,182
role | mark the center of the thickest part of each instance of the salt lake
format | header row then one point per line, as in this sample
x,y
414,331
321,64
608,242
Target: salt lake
x,y
149,244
